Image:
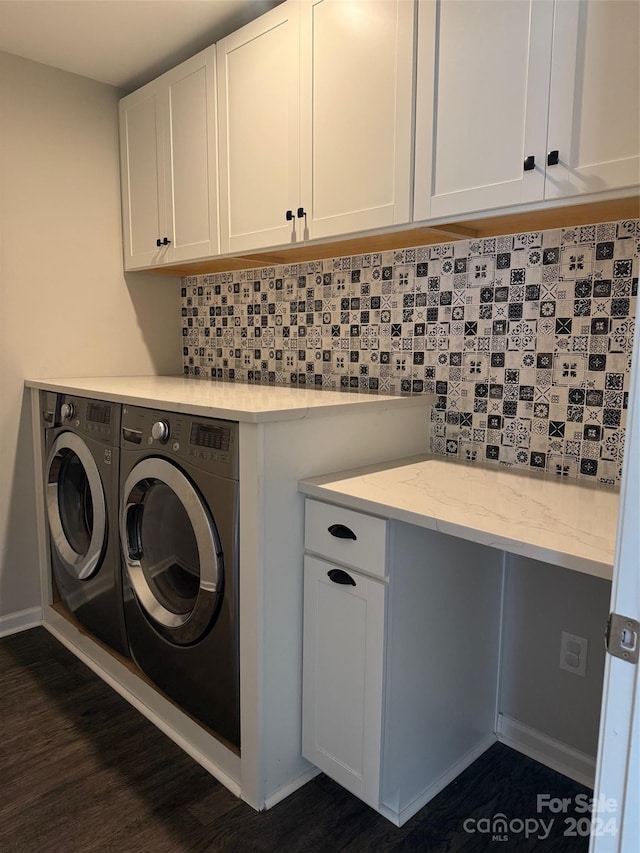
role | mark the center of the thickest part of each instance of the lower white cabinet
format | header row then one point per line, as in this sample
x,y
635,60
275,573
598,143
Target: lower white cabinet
x,y
342,682
399,675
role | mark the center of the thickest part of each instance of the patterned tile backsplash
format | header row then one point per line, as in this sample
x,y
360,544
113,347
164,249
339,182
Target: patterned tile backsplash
x,y
526,339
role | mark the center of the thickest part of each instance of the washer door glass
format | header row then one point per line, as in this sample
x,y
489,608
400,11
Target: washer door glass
x,y
75,506
172,550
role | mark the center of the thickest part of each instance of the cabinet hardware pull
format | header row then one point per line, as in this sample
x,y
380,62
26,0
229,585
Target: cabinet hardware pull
x,y
338,576
158,242
553,158
301,212
341,532
529,163
164,242
289,215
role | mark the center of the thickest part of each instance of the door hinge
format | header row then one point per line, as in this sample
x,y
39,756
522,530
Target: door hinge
x,y
622,637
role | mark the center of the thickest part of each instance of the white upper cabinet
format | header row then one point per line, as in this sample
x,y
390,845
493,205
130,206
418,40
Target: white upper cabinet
x,y
259,131
168,166
478,112
594,113
502,86
356,100
141,178
315,122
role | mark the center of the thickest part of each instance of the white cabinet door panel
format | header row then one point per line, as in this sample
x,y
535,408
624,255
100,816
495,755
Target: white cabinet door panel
x,y
594,112
190,134
168,165
482,99
142,179
356,97
258,99
343,677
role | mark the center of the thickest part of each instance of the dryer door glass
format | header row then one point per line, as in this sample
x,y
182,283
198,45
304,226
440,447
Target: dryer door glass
x,y
171,550
75,506
170,559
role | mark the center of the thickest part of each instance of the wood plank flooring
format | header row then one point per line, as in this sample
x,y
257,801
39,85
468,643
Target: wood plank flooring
x,y
82,771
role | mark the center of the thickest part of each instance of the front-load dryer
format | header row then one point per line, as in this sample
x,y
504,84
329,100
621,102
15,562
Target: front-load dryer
x,y
81,497
179,538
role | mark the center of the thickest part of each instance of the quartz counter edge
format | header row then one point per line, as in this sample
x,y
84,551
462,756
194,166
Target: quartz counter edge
x,y
564,523
250,403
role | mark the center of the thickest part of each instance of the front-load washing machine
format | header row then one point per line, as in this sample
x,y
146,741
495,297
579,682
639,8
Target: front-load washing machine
x,y
179,538
81,496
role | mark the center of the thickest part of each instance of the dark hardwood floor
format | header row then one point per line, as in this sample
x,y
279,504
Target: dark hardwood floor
x,y
81,770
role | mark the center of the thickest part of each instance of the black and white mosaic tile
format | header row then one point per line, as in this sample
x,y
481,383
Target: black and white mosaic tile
x,y
525,339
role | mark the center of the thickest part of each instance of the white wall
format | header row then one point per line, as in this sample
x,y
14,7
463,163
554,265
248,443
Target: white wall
x,y
66,308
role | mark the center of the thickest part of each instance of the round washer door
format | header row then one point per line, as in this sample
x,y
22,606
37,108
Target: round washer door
x,y
171,550
76,506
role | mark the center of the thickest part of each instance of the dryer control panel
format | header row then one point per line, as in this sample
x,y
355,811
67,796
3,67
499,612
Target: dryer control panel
x,y
209,443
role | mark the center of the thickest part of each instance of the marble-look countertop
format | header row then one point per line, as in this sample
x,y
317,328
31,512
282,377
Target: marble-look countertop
x,y
231,400
558,521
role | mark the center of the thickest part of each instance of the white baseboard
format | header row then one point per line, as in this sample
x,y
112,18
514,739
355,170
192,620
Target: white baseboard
x,y
12,623
552,753
279,795
400,818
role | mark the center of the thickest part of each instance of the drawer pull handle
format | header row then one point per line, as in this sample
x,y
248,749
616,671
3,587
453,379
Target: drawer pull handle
x,y
341,532
338,576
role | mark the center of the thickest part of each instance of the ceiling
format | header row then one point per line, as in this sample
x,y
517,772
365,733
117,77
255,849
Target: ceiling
x,y
124,43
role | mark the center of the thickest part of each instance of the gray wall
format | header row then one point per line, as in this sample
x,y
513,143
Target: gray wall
x,y
66,307
541,602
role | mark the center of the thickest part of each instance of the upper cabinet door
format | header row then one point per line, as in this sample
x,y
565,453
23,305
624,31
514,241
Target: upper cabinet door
x,y
356,100
594,122
481,104
168,166
258,123
190,170
141,155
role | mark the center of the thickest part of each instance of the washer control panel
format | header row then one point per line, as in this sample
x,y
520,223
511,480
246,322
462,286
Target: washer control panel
x,y
208,443
94,418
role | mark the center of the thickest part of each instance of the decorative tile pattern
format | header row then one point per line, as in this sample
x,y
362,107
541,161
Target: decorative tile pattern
x,y
525,339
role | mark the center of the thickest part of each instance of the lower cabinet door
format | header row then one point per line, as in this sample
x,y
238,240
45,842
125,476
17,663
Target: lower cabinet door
x,y
344,626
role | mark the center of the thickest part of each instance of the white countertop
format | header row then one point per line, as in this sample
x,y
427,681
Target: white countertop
x,y
231,400
558,521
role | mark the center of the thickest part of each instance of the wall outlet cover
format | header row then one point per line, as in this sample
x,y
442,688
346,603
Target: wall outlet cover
x,y
573,654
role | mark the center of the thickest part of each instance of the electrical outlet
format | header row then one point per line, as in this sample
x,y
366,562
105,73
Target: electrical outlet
x,y
573,654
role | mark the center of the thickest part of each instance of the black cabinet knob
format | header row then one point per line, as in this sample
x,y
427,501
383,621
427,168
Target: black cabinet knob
x,y
553,158
164,242
341,532
529,163
339,576
289,215
301,212
158,242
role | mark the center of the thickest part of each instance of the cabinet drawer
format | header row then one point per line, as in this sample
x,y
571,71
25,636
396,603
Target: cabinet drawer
x,y
364,546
